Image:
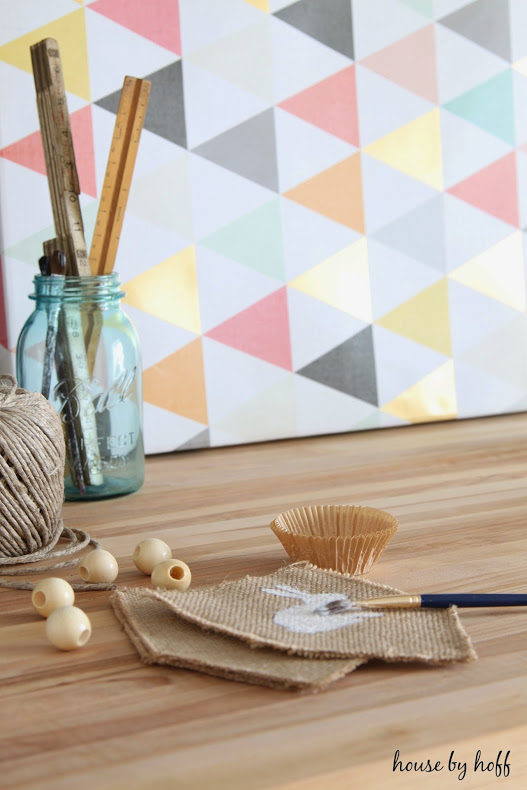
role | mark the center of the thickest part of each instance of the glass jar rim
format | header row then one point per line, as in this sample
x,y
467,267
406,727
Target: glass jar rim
x,y
100,287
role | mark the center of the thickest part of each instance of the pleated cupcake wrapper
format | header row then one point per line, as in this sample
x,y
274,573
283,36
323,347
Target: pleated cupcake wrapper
x,y
345,538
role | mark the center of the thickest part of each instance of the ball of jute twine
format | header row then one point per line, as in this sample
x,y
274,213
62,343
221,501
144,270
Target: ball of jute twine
x,y
32,457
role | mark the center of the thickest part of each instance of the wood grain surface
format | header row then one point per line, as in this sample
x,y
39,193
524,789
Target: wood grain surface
x,y
98,717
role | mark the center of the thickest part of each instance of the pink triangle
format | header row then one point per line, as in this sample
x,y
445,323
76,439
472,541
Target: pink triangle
x,y
410,63
156,20
493,189
331,105
28,151
261,330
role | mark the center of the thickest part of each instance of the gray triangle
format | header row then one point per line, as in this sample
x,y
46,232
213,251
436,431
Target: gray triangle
x,y
198,442
485,22
329,21
348,368
165,114
419,234
248,150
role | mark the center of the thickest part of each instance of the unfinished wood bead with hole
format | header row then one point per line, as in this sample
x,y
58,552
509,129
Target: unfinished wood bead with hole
x,y
99,566
68,628
171,575
149,553
50,594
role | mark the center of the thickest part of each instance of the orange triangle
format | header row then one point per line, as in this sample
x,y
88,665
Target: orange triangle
x,y
177,383
331,105
156,20
28,151
398,63
336,193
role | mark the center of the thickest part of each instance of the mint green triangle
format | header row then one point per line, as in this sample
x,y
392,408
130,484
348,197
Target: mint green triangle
x,y
254,240
424,7
489,106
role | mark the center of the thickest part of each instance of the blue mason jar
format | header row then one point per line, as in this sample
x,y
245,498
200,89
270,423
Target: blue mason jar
x,y
80,350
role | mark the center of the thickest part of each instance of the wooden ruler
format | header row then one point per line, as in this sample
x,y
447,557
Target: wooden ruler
x,y
121,161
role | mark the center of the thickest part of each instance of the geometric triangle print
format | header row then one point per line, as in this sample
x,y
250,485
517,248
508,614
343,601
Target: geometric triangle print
x,y
28,151
419,234
269,415
165,113
331,25
397,63
423,318
70,33
497,273
261,330
502,354
415,149
331,105
424,7
323,410
177,383
432,398
157,20
169,290
490,106
493,189
348,368
485,22
230,150
336,193
342,281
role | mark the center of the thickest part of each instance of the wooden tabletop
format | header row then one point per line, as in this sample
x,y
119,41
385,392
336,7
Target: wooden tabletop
x,y
99,718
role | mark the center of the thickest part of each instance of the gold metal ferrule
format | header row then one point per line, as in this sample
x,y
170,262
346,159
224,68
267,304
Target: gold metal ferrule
x,y
392,602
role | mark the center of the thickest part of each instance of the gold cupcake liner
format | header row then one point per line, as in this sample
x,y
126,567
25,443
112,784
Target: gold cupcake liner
x,y
344,538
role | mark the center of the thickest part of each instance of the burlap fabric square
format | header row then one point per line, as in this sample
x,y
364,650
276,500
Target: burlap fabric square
x,y
161,637
279,611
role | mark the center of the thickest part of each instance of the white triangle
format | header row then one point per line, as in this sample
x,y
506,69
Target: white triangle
x,y
143,245
399,106
21,18
243,58
213,105
461,64
479,393
220,196
165,431
303,150
466,148
519,82
114,51
233,378
16,125
395,278
33,190
203,22
503,354
300,61
400,363
473,317
309,238
18,285
518,26
379,23
158,339
268,416
316,328
324,410
469,231
226,287
162,197
401,194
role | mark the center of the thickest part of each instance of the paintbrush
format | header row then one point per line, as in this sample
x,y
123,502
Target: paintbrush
x,y
431,601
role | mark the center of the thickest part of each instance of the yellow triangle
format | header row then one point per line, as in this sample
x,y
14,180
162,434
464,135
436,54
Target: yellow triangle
x,y
432,398
70,33
415,149
424,318
169,290
342,281
262,5
497,272
521,66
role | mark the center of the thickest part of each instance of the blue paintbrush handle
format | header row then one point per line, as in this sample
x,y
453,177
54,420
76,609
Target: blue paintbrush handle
x,y
443,600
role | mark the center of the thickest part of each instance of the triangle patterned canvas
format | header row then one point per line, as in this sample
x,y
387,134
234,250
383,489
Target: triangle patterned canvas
x,y
326,227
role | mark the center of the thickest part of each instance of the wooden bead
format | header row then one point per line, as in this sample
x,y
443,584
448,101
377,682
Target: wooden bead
x,y
149,553
99,566
171,575
68,628
50,594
